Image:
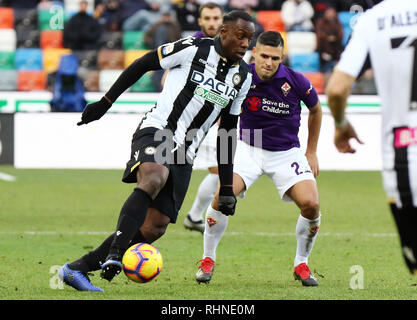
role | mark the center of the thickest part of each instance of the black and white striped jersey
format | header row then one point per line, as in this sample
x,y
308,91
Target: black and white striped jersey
x,y
200,86
387,34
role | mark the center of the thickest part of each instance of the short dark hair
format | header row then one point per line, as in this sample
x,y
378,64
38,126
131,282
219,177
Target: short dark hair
x,y
234,15
209,5
271,38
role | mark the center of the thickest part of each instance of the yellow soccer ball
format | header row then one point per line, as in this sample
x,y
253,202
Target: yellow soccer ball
x,y
142,262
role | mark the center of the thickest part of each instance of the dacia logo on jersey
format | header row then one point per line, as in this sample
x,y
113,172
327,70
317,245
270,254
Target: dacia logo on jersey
x,y
215,85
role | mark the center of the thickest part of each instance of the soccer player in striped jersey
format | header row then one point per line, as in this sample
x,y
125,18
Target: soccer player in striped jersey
x,y
210,21
269,145
386,37
207,79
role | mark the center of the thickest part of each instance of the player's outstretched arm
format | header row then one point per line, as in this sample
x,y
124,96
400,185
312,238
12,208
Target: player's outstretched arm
x,y
226,145
129,76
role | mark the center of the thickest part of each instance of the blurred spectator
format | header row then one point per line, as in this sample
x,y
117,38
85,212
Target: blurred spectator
x,y
320,6
187,14
144,19
243,4
82,31
130,7
107,15
329,32
167,29
297,15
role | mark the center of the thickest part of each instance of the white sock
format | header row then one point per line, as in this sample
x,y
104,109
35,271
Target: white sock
x,y
306,232
204,197
216,224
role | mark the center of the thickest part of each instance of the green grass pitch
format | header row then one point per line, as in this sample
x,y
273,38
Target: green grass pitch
x,y
50,217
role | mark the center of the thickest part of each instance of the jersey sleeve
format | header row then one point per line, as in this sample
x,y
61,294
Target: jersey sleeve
x,y
308,93
235,109
355,54
176,53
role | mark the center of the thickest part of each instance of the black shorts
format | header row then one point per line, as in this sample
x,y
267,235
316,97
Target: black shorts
x,y
144,148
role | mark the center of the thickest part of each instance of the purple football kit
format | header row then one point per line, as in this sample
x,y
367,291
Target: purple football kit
x,y
275,107
269,125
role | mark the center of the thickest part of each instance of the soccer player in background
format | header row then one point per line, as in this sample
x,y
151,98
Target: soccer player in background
x,y
209,80
386,37
269,145
210,21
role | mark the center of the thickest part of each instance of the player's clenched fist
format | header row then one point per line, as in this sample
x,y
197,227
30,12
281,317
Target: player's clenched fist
x,y
94,111
227,200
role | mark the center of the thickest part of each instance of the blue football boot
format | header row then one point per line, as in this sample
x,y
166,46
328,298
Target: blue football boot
x,y
77,279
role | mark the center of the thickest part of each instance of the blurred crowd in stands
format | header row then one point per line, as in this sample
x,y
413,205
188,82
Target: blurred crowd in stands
x,y
107,35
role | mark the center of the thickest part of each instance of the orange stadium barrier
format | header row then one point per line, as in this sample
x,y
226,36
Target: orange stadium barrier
x,y
31,80
51,39
6,18
271,20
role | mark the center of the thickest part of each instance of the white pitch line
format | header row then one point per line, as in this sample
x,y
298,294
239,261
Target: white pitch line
x,y
260,234
7,177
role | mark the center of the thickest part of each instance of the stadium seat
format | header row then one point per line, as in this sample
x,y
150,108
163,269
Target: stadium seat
x,y
144,84
91,81
8,80
317,80
87,58
271,20
107,78
52,57
7,40
111,59
31,80
7,60
345,17
28,38
133,40
28,59
6,18
51,39
132,55
305,62
301,42
25,19
347,20
110,40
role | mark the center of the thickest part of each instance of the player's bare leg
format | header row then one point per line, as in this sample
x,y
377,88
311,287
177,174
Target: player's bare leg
x,y
305,196
215,226
155,225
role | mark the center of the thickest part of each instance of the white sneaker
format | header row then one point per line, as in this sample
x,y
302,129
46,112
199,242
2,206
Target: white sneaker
x,y
194,225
